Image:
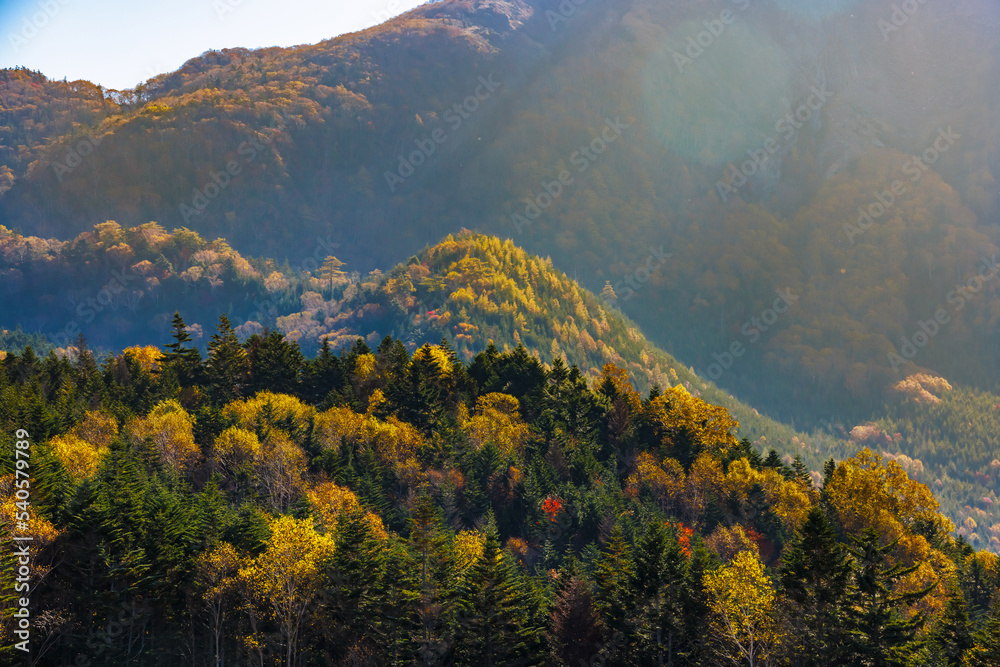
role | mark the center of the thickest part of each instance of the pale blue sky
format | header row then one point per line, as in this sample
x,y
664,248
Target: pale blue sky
x,y
120,43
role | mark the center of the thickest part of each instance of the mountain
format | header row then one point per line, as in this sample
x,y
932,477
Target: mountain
x,y
422,503
584,132
471,290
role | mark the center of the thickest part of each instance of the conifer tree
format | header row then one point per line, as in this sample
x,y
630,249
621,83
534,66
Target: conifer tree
x,y
180,360
878,633
985,651
657,587
815,573
226,367
952,636
495,617
576,631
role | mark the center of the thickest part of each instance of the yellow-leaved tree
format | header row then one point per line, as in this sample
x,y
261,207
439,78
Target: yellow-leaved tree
x,y
330,502
81,450
215,573
689,425
286,578
171,429
868,491
744,623
497,419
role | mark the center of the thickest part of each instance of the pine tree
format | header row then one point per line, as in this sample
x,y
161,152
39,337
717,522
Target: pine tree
x,y
576,629
226,367
657,586
815,573
495,619
614,574
181,361
952,636
878,633
985,651
275,364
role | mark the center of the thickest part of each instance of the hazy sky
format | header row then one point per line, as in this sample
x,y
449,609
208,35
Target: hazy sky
x,y
120,43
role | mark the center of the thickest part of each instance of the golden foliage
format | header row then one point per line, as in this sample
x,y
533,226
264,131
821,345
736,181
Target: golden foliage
x,y
171,429
283,406
97,428
148,356
727,542
468,548
497,419
867,491
742,601
80,458
392,440
786,498
330,502
236,450
711,426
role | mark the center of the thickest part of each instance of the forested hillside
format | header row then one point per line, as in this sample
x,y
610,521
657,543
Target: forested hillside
x,y
470,290
576,131
248,506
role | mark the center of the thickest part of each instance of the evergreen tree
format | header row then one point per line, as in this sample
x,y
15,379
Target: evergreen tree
x,y
576,630
181,361
495,618
657,586
614,575
952,636
985,651
878,633
275,364
815,573
226,367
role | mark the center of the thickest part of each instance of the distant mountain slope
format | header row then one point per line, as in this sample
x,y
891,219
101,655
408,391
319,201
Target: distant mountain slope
x,y
768,162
